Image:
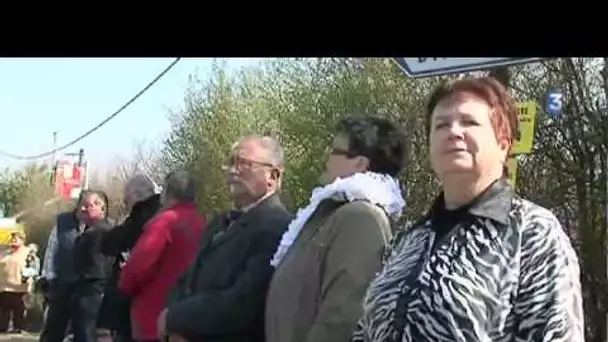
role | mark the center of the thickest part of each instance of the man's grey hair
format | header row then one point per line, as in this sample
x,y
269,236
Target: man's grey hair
x,y
180,186
143,184
270,144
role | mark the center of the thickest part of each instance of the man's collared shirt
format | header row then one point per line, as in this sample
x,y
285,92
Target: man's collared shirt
x,y
500,269
248,207
233,215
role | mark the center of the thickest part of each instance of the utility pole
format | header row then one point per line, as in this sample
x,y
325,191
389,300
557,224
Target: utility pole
x,y
80,156
54,147
54,168
604,74
84,177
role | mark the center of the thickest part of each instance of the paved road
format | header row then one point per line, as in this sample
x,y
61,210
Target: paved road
x,y
25,337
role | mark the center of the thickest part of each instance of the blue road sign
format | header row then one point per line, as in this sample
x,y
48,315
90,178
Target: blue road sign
x,y
555,102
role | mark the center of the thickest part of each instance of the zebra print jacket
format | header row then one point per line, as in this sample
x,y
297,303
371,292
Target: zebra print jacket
x,y
505,272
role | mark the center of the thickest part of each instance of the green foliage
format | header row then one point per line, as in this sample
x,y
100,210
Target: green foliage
x,y
11,186
16,187
567,170
300,100
26,192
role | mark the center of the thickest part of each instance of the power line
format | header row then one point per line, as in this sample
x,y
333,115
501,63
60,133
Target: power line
x,y
105,121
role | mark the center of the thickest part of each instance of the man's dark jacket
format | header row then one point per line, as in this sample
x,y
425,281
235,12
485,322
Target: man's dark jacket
x,y
63,260
90,264
81,270
117,242
221,297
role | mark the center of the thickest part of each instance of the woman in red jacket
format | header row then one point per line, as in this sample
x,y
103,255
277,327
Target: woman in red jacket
x,y
162,254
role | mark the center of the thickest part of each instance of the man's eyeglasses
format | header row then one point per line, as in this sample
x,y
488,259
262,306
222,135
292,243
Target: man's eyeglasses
x,y
240,163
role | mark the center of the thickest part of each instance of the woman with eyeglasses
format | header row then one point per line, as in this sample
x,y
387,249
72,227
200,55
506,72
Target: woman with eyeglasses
x,y
332,248
483,264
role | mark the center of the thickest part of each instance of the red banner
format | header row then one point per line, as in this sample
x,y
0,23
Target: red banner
x,y
69,179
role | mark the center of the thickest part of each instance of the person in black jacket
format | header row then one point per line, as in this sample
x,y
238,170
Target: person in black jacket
x,y
91,266
222,296
58,278
142,196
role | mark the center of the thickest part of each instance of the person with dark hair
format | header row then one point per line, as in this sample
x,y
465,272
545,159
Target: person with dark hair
x,y
483,264
221,296
58,277
162,253
333,248
142,197
91,266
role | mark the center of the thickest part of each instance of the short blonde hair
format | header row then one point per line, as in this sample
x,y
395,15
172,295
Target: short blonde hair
x,y
20,235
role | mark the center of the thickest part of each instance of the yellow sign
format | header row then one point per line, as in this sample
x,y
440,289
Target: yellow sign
x,y
526,115
5,236
7,227
512,170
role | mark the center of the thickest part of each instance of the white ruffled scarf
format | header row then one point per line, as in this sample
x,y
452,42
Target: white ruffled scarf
x,y
379,189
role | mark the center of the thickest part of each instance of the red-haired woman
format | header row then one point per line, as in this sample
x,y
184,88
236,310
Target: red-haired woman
x,y
484,264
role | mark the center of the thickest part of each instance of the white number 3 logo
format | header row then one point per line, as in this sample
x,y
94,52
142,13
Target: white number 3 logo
x,y
555,102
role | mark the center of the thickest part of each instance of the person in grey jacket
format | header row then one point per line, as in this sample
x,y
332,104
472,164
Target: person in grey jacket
x,y
333,248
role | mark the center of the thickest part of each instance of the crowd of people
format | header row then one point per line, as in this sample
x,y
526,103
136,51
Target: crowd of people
x,y
483,264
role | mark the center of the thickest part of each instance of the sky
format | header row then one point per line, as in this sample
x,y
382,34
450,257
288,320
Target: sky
x,y
69,96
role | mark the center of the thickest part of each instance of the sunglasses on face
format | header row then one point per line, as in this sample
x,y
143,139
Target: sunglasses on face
x,y
336,151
